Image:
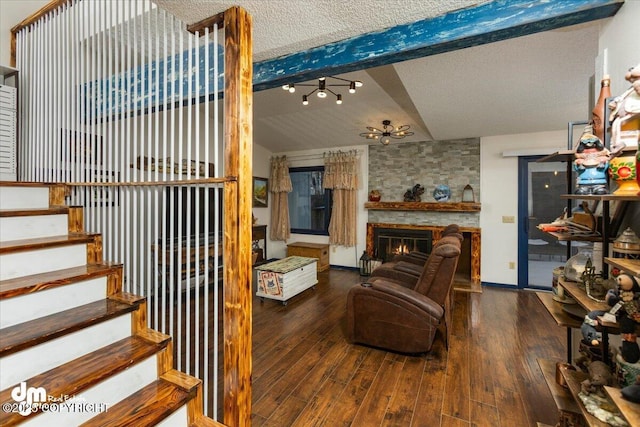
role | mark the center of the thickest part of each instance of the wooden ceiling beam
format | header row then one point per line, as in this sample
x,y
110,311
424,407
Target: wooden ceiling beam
x,y
482,24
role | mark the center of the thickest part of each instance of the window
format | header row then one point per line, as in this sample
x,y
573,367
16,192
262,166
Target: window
x,y
309,202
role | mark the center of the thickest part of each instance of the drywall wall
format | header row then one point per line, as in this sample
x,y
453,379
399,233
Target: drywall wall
x,y
12,12
499,187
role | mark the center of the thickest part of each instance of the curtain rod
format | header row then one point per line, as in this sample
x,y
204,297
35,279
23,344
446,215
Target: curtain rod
x,y
317,155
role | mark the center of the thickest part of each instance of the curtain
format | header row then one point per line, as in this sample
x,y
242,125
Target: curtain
x,y
341,170
280,187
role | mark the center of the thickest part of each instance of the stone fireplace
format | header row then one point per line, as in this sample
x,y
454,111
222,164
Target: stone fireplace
x,y
395,225
384,239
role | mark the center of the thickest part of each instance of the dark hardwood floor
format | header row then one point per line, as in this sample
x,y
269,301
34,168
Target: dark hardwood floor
x,y
306,373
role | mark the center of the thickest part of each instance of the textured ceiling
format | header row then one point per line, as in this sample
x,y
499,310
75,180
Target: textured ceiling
x,y
281,27
527,84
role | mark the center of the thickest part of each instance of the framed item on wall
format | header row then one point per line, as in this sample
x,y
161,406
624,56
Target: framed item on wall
x,y
260,192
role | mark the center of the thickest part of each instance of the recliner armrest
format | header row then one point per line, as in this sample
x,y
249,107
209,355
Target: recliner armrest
x,y
410,259
420,301
408,280
407,267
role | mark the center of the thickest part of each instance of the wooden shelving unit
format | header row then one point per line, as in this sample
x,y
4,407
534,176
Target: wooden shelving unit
x,y
555,310
630,410
573,379
631,266
561,395
613,208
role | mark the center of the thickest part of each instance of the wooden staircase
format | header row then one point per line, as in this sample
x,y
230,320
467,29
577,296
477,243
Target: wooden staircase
x,y
74,348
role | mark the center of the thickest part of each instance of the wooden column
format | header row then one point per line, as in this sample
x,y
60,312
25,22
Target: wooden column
x,y
238,130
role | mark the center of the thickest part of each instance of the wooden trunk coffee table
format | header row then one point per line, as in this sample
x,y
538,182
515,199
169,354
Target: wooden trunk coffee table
x,y
283,279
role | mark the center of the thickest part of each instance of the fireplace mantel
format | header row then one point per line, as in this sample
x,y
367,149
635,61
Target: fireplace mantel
x,y
424,206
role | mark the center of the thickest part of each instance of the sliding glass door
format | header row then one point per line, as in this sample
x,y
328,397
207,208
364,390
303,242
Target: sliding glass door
x,y
540,187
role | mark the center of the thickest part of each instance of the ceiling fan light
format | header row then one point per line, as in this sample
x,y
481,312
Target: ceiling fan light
x,y
339,99
387,132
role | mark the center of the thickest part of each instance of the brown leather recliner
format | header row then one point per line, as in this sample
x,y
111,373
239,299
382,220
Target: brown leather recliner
x,y
388,315
419,258
403,271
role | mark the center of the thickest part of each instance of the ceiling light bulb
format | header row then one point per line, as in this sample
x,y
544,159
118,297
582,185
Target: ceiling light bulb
x,y
322,94
305,101
352,87
285,87
358,83
385,140
292,88
339,100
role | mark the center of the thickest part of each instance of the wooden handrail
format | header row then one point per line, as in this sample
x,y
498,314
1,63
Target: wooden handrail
x,y
34,17
154,183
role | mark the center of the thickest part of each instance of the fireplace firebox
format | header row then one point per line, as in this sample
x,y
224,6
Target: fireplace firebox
x,y
392,241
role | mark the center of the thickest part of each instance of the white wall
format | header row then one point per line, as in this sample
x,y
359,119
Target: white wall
x,y
499,190
12,12
261,163
620,36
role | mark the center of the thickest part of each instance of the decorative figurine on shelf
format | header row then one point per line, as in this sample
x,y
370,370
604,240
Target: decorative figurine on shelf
x,y
626,297
414,194
599,376
625,113
632,392
442,193
374,196
625,132
590,334
625,303
591,163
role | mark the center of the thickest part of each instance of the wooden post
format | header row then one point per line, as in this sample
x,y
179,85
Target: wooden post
x,y
238,131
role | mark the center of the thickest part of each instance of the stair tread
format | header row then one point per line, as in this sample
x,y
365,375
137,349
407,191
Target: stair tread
x,y
147,407
205,421
44,242
38,282
33,332
56,210
75,376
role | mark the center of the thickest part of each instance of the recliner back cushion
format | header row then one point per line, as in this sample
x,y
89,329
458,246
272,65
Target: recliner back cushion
x,y
435,280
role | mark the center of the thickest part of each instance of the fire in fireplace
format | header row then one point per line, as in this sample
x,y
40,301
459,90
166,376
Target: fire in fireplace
x,y
390,241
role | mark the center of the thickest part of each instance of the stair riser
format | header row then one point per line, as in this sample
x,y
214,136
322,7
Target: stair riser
x,y
25,364
38,304
108,392
24,197
178,418
31,227
38,261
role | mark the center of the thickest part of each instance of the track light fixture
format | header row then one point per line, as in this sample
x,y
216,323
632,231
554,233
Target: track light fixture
x,y
387,132
323,87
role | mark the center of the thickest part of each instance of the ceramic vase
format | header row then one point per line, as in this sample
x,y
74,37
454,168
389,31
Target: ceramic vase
x,y
622,170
